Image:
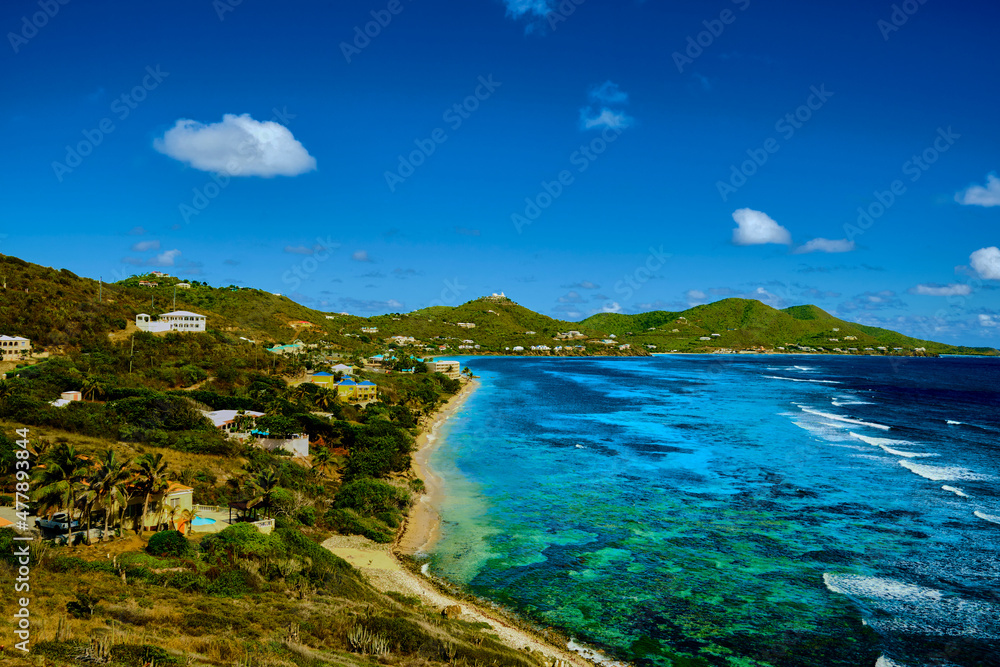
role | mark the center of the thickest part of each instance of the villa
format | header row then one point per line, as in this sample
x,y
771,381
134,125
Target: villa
x,y
14,347
322,379
179,320
352,391
227,421
174,499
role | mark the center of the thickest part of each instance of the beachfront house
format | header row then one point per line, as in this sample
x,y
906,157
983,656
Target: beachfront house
x,y
451,369
14,347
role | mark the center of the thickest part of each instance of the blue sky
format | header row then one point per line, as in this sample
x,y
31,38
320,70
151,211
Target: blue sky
x,y
580,156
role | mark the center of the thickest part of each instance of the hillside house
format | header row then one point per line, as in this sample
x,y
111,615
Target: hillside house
x,y
14,347
467,325
352,391
148,283
179,320
174,499
183,285
231,423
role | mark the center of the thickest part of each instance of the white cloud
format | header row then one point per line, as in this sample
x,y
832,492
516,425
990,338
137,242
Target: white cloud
x,y
608,93
599,114
165,258
695,295
611,307
360,256
825,245
238,146
145,246
518,8
986,262
978,195
989,321
605,118
756,228
953,289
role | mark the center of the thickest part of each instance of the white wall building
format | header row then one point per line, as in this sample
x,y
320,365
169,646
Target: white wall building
x,y
178,320
452,369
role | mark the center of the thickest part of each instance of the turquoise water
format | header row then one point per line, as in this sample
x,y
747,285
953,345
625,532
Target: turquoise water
x,y
734,510
202,521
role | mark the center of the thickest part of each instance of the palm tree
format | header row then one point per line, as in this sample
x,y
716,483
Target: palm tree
x,y
108,487
152,480
6,389
324,398
263,486
322,459
297,393
93,388
60,479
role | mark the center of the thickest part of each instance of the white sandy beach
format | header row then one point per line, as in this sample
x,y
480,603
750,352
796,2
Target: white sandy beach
x,y
383,569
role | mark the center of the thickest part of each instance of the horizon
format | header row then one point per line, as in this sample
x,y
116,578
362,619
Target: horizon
x,y
583,155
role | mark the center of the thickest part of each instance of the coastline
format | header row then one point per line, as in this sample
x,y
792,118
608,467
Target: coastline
x,y
385,568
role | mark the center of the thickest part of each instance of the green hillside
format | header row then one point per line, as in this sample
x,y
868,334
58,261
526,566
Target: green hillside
x,y
58,310
743,324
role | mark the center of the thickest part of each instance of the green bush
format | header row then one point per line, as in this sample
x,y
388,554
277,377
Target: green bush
x,y
233,584
306,516
189,582
350,522
169,543
242,541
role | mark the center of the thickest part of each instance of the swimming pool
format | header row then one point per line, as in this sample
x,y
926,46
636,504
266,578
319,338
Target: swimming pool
x,y
201,521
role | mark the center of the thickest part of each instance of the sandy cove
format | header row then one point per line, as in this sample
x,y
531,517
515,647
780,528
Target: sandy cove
x,y
385,571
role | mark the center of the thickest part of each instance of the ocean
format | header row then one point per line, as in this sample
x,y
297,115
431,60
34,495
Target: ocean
x,y
733,510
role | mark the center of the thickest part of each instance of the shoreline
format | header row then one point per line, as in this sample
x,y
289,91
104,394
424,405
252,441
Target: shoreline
x,y
386,568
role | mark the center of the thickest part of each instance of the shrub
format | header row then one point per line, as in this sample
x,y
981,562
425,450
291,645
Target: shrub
x,y
233,584
169,543
189,582
306,516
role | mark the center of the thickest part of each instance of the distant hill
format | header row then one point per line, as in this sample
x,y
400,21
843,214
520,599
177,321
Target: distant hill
x,y
748,324
57,308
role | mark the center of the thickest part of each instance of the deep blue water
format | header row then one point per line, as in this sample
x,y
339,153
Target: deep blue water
x,y
734,510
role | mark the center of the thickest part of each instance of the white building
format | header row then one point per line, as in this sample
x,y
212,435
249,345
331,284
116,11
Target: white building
x,y
452,369
178,320
467,325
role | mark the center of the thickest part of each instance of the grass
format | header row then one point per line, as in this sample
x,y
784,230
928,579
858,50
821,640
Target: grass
x,y
289,622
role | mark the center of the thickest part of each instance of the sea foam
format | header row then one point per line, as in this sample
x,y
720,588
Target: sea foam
x,y
992,518
884,443
846,420
943,474
957,491
878,588
886,662
778,377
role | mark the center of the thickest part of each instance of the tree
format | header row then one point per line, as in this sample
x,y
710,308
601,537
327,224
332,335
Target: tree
x,y
325,398
263,486
93,388
60,480
322,460
108,488
152,480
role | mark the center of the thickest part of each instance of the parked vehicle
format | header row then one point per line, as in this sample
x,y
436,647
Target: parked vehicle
x,y
57,522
